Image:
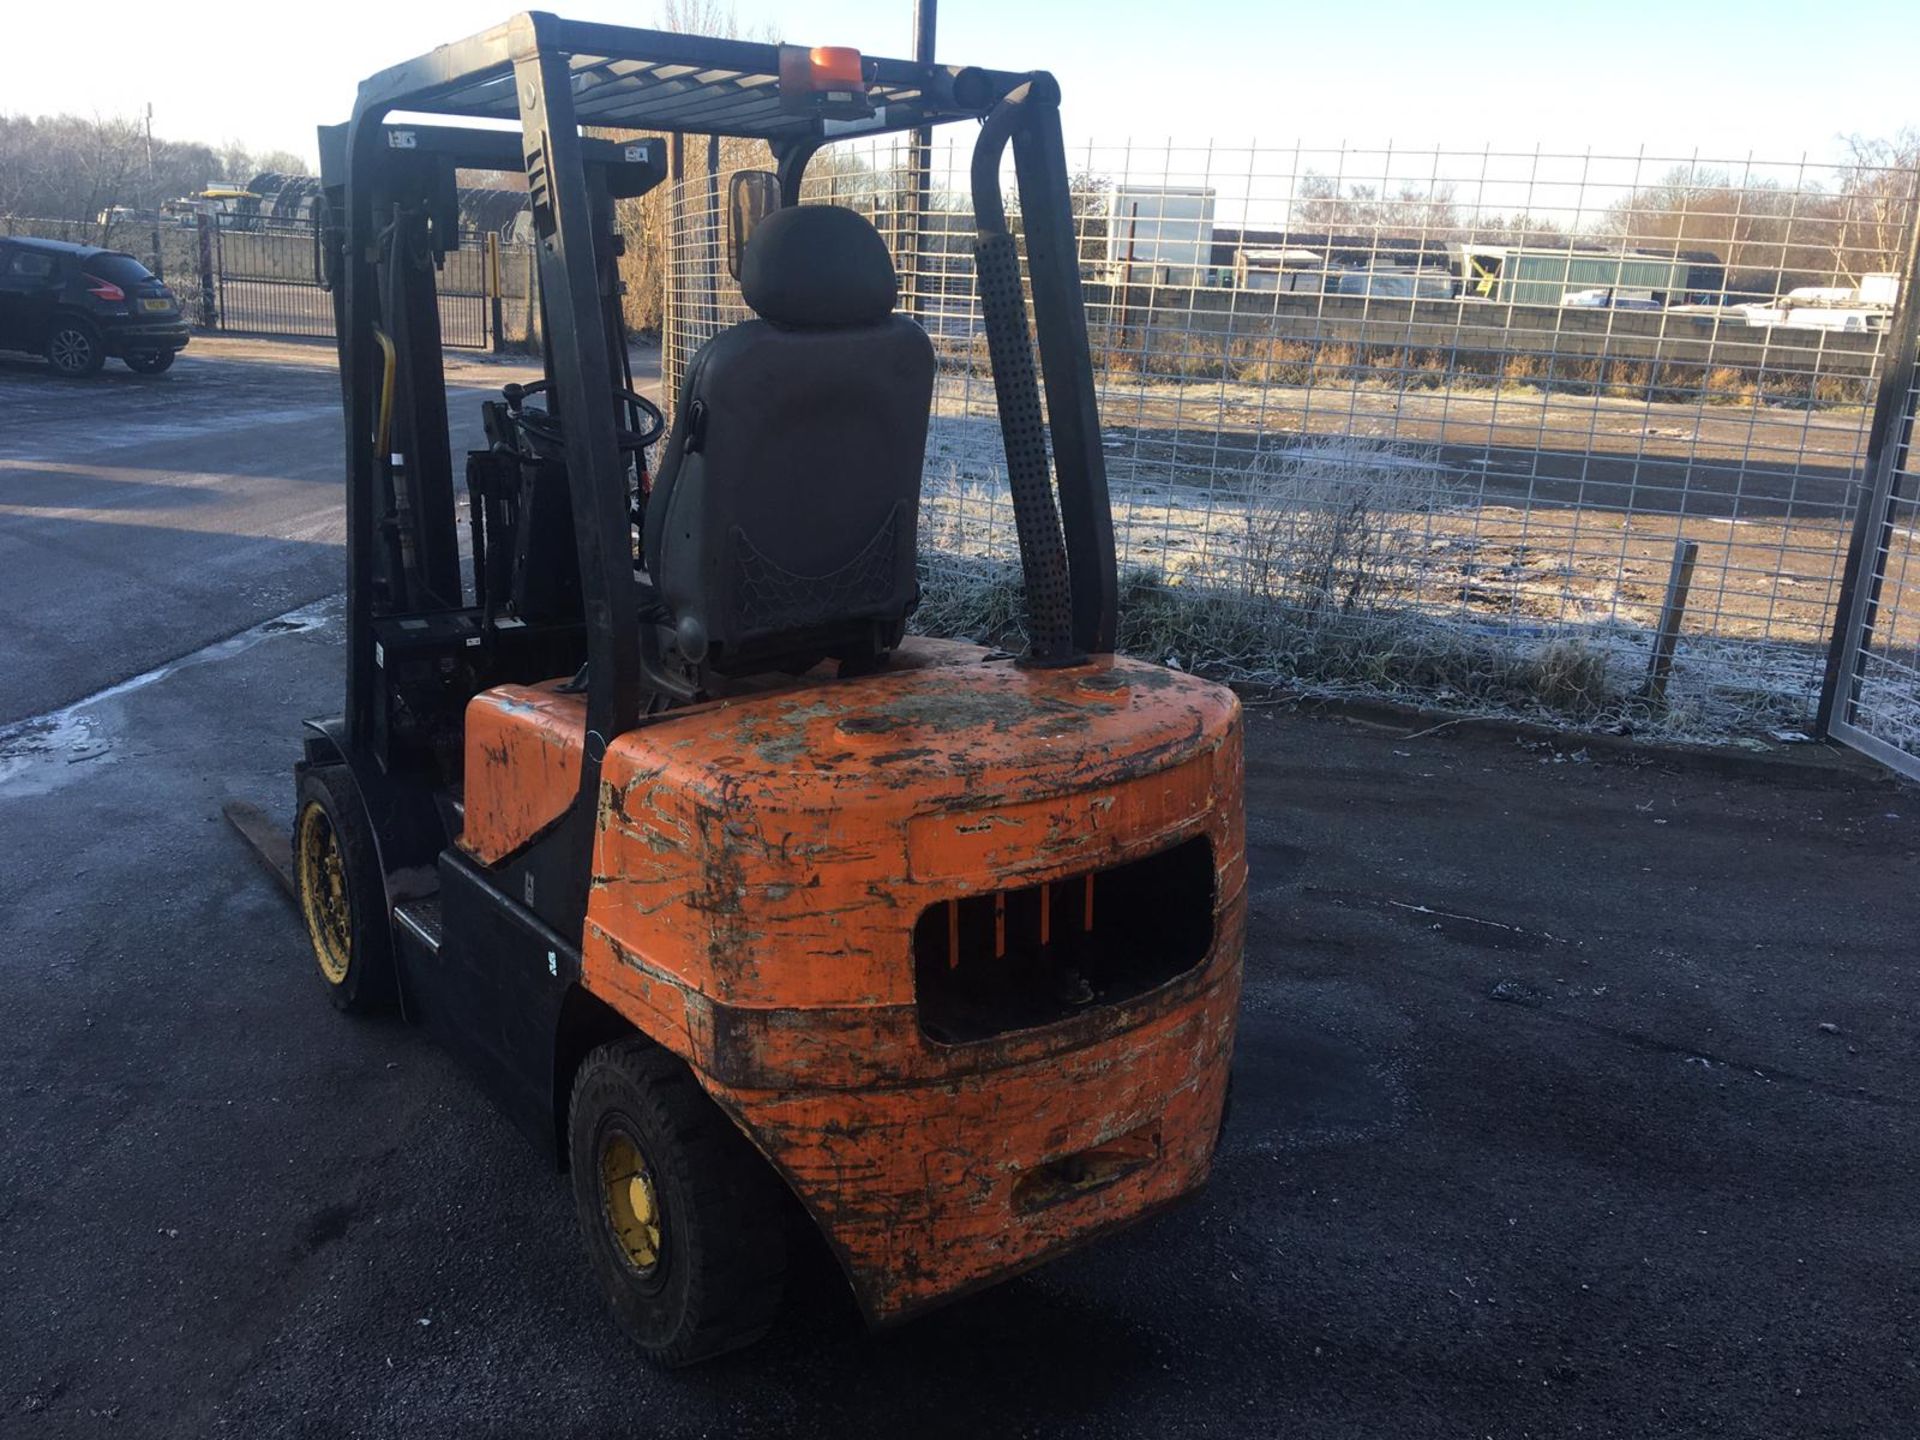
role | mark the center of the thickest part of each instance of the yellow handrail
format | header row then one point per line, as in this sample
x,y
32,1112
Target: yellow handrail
x,y
384,430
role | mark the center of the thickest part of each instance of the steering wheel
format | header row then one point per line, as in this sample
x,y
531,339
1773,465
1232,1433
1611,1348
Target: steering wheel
x,y
543,426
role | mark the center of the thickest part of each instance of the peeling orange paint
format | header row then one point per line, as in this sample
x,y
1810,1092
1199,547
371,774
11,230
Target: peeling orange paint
x,y
759,867
522,765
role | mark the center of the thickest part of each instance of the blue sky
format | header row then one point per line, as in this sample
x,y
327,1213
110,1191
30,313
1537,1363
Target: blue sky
x,y
1766,77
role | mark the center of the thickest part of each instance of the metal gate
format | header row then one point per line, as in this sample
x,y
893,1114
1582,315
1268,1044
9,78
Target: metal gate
x,y
1872,696
463,291
268,282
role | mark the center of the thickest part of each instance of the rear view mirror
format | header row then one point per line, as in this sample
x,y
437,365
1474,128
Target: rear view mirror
x,y
752,195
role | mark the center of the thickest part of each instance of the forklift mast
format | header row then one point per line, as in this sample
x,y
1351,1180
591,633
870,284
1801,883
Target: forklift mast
x,y
403,551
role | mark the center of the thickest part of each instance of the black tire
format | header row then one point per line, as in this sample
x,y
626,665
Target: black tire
x,y
151,362
343,900
73,348
718,1233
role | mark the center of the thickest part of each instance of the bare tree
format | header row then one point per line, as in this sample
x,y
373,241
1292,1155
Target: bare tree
x,y
240,164
1408,210
1875,208
1769,237
78,169
644,222
1520,228
22,164
1091,196
699,17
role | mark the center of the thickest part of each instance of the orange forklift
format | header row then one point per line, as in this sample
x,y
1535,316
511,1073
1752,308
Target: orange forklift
x,y
645,803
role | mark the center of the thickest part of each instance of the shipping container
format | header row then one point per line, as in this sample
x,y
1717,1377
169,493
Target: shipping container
x,y
1517,276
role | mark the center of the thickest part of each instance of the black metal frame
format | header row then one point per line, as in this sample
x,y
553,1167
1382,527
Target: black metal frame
x,y
1890,434
552,77
672,83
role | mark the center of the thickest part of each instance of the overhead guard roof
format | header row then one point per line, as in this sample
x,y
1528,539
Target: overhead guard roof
x,y
655,80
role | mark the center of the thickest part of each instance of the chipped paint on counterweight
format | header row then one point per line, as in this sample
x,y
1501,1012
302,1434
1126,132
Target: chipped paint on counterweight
x,y
759,867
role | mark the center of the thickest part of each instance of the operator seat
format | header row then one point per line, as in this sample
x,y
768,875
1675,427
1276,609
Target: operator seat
x,y
781,527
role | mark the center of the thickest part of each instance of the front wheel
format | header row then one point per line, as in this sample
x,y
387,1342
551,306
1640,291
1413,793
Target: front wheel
x,y
73,348
153,362
683,1220
336,873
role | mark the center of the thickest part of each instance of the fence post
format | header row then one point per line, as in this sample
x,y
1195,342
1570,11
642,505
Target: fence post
x,y
670,269
209,303
710,289
1672,614
1126,293
494,306
920,166
536,340
1855,611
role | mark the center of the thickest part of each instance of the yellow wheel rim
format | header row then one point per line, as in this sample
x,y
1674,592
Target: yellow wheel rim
x,y
631,1201
323,893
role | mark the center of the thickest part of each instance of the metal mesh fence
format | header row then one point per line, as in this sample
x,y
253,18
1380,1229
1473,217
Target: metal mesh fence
x,y
1489,392
169,249
1878,674
1428,421
265,276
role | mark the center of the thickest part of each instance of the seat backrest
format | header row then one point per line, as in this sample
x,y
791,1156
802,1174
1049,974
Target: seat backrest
x,y
781,528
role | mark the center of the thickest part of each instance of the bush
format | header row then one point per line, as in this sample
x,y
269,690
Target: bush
x,y
1213,631
1327,525
1728,386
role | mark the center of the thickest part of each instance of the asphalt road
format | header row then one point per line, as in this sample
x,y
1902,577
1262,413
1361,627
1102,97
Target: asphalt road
x,y
142,517
1645,1194
1537,1129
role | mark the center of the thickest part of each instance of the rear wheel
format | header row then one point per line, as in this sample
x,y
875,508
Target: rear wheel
x,y
153,362
73,348
336,875
683,1221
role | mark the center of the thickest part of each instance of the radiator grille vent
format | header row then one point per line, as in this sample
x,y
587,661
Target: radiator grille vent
x,y
986,965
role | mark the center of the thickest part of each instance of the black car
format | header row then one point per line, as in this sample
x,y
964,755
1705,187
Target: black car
x,y
79,304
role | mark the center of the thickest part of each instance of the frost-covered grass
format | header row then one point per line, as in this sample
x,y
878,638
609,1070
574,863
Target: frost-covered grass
x,y
1314,577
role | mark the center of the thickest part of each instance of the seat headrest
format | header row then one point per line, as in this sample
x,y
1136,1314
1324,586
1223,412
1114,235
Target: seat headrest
x,y
814,266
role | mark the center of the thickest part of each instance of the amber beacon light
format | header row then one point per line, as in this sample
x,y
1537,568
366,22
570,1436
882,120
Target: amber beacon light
x,y
825,78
